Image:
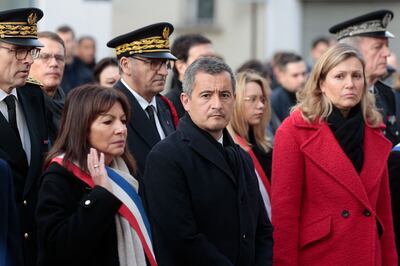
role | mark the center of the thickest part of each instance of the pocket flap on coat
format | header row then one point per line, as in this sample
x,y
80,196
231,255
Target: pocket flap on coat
x,y
315,231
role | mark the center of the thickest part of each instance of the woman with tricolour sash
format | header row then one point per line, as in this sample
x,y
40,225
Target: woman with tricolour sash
x,y
89,211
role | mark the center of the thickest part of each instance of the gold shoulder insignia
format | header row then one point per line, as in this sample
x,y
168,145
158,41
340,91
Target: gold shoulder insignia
x,y
34,81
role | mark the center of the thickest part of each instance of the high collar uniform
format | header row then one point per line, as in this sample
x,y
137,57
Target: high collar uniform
x,y
323,211
26,176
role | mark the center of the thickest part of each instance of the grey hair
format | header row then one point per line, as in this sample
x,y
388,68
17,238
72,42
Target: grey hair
x,y
208,65
352,41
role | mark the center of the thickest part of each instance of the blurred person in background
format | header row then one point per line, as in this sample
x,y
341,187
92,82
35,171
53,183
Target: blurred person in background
x,y
251,115
86,51
186,48
75,72
319,46
106,72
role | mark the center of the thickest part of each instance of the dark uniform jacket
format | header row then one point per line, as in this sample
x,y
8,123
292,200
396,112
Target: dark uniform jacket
x,y
26,177
141,134
394,178
76,224
281,102
202,211
386,103
10,236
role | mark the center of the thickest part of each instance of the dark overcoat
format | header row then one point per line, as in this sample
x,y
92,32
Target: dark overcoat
x,y
10,236
76,224
141,133
394,177
281,102
201,213
26,177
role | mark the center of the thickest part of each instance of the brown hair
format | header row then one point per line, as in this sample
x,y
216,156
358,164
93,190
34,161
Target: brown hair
x,y
238,125
82,106
314,104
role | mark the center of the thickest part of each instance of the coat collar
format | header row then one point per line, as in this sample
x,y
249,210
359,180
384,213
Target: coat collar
x,y
322,149
198,142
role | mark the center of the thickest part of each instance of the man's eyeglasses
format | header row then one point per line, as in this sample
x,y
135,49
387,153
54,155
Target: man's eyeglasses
x,y
156,64
45,57
22,53
254,99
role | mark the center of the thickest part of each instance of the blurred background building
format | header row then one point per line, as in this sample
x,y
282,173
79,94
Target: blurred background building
x,y
239,29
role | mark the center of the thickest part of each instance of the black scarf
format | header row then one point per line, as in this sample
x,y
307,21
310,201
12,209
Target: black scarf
x,y
349,132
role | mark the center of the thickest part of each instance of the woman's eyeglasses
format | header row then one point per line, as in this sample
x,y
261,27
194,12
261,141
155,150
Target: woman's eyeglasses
x,y
254,99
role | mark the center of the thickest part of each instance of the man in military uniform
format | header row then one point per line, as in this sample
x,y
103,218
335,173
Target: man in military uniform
x,y
369,35
23,134
144,60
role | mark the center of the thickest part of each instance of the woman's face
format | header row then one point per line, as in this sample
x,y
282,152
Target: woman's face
x,y
109,76
344,84
108,132
254,103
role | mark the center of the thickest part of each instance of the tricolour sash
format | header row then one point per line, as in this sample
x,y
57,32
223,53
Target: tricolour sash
x,y
396,148
265,186
131,209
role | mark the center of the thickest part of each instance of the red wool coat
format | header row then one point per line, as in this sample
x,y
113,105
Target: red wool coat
x,y
323,211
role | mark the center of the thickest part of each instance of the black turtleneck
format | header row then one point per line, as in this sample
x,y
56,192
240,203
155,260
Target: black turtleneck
x,y
264,158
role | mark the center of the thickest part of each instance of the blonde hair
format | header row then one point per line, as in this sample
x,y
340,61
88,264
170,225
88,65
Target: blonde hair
x,y
314,104
238,125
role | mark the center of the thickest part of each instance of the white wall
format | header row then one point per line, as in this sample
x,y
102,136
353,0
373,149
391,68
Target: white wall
x,y
85,17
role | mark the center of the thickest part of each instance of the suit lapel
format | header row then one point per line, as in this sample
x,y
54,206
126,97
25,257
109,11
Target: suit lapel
x,y
30,104
165,117
202,146
323,150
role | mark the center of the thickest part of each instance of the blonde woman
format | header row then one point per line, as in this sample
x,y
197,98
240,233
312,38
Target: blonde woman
x,y
250,118
330,192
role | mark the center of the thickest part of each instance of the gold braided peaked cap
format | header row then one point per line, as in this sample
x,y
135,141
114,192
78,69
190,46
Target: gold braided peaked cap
x,y
151,41
19,26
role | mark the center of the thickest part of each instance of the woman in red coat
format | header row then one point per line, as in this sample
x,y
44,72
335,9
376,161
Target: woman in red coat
x,y
330,192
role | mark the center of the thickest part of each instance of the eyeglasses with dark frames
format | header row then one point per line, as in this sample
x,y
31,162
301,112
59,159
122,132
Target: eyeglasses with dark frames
x,y
156,64
22,53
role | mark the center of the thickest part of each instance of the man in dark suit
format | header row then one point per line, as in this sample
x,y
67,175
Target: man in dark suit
x,y
23,134
202,194
369,35
144,60
10,237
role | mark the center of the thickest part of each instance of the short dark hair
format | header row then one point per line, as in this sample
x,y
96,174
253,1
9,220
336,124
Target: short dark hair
x,y
82,106
282,59
86,37
255,66
66,29
209,65
319,40
51,36
102,64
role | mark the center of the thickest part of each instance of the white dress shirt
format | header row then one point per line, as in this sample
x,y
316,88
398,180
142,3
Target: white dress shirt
x,y
143,104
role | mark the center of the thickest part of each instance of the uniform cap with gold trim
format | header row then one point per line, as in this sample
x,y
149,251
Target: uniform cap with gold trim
x,y
19,26
151,42
372,24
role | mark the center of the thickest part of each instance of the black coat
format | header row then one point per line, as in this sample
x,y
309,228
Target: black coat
x,y
141,133
26,177
394,180
174,95
386,103
10,236
201,213
76,224
281,102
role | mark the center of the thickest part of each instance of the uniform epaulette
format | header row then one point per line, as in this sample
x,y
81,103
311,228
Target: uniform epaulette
x,y
34,81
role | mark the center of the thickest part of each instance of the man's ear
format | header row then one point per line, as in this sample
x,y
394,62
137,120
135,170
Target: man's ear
x,y
125,65
185,100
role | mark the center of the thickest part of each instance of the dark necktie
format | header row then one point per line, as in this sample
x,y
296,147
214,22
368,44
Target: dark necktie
x,y
150,112
12,114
